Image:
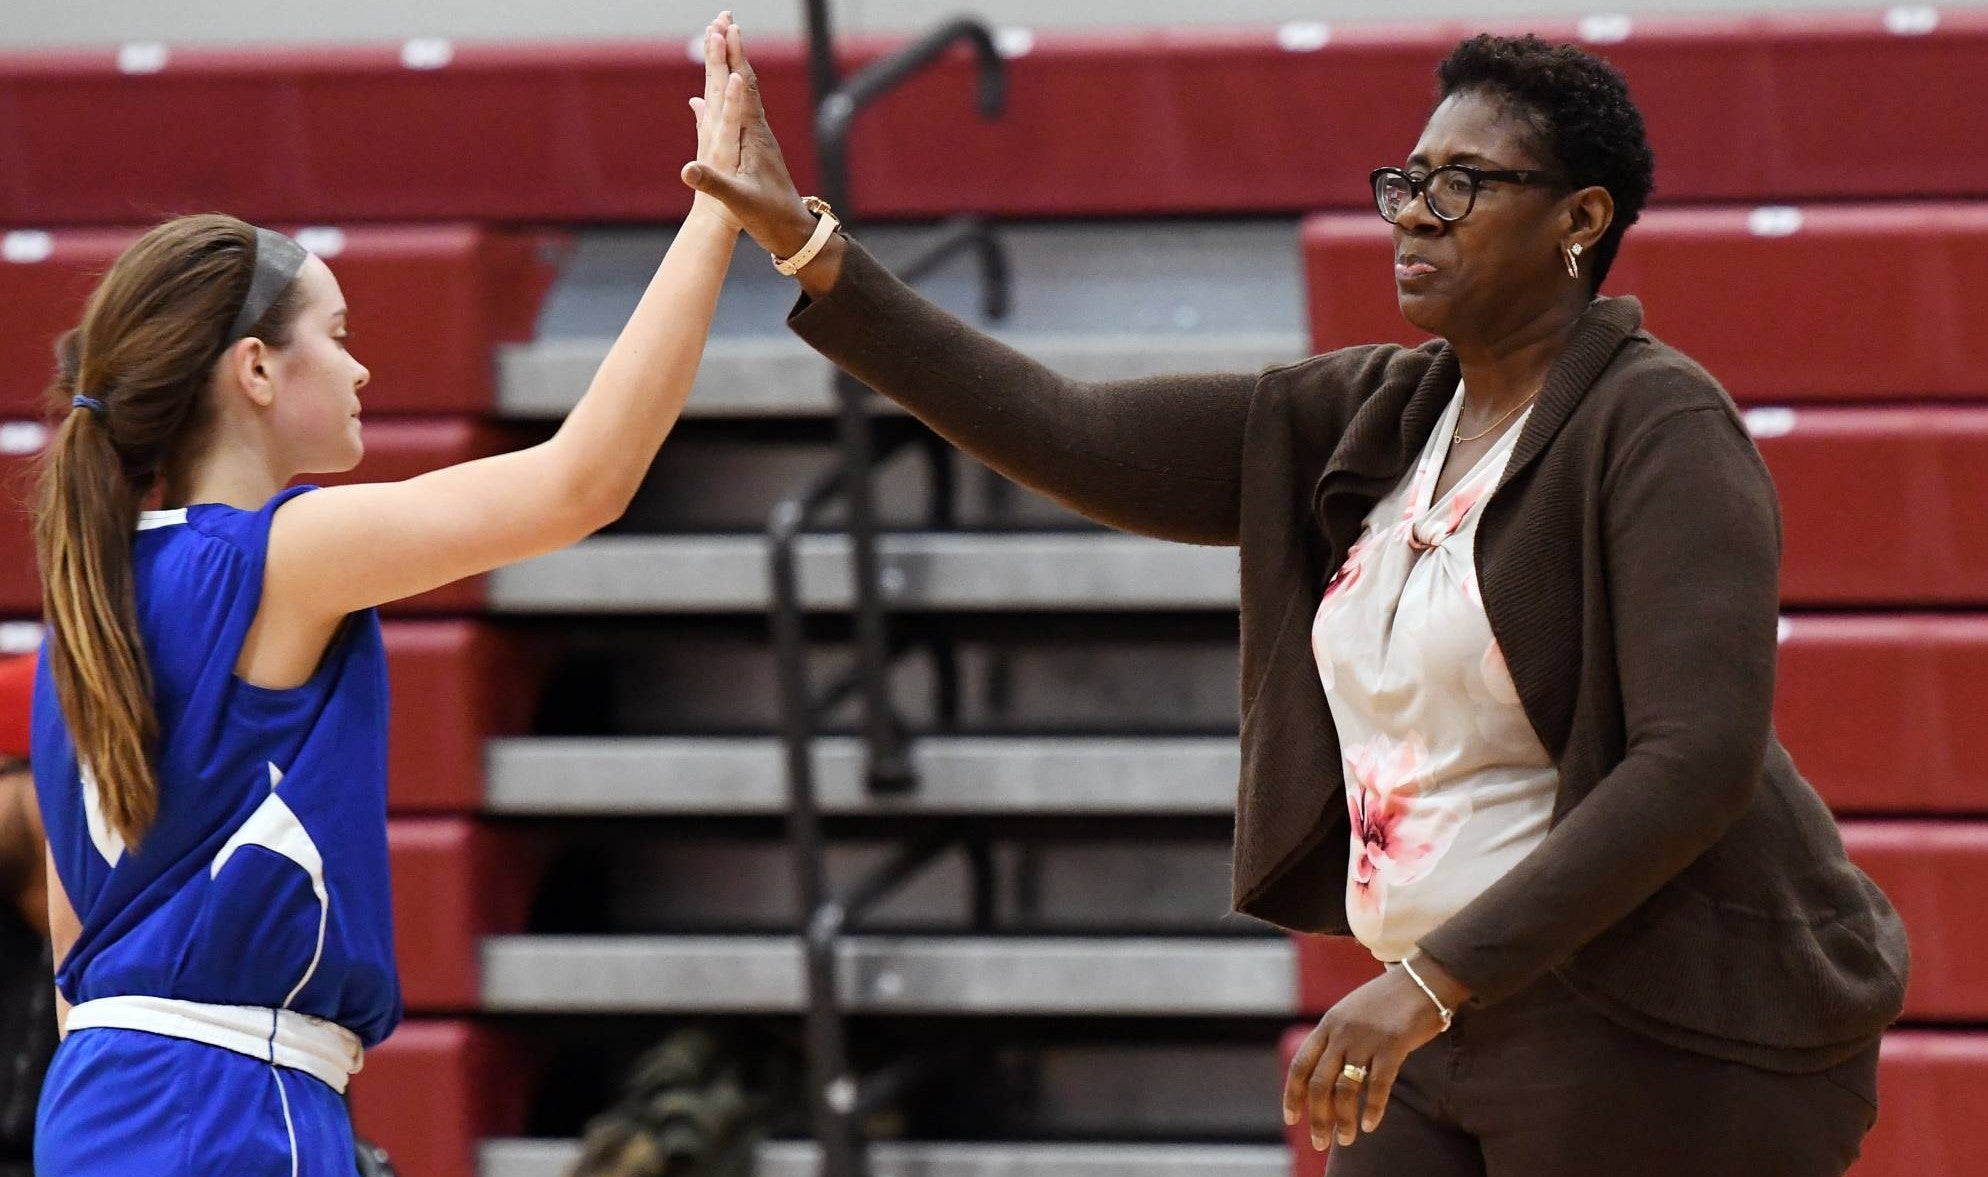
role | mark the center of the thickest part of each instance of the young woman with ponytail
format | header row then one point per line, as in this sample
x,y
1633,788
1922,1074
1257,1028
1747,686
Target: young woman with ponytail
x,y
210,715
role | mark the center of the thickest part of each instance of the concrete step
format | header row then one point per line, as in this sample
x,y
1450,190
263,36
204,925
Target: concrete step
x,y
552,1158
672,776
953,975
932,572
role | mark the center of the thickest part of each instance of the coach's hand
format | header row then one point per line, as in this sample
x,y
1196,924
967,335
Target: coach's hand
x,y
1377,1026
750,179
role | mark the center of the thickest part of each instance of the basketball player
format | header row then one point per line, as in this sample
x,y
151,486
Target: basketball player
x,y
210,720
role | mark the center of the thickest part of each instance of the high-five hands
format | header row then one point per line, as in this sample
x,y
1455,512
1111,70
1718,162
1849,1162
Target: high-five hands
x,y
739,167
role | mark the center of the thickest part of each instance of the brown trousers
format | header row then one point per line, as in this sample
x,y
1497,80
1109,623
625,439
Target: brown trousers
x,y
1541,1085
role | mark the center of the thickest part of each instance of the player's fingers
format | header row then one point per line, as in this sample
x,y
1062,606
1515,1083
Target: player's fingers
x,y
715,67
727,143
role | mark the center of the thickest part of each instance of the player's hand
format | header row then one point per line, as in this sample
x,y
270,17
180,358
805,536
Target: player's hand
x,y
718,115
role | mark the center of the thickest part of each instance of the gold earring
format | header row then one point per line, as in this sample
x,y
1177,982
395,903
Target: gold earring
x,y
1573,255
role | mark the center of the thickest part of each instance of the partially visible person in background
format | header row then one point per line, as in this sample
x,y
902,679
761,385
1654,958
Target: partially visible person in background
x,y
27,1000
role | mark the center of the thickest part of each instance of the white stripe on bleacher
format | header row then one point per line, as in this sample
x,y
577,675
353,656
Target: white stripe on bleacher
x,y
1074,572
554,1158
955,975
1063,775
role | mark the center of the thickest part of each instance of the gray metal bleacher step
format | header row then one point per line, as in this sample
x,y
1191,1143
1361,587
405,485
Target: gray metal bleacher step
x,y
552,1158
935,572
681,775
1095,301
957,975
776,376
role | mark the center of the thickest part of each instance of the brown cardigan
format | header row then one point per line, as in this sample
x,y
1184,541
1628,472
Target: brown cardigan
x,y
1693,885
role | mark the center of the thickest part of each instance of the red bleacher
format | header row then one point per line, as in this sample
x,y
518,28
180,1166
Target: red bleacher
x,y
395,449
1881,712
1878,503
455,880
1936,874
435,1088
1931,1087
1116,123
427,303
456,684
1865,302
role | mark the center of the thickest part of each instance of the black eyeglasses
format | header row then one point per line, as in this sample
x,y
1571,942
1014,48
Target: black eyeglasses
x,y
1450,191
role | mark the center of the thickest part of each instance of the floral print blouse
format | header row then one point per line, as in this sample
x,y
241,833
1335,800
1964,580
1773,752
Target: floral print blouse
x,y
1447,783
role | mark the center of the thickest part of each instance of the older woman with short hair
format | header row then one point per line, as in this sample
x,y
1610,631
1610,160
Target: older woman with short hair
x,y
1509,605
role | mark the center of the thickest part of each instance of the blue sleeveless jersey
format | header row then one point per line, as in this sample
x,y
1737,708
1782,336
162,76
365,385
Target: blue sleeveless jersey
x,y
264,880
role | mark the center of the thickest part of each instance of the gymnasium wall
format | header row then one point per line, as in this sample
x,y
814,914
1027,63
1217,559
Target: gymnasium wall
x,y
74,22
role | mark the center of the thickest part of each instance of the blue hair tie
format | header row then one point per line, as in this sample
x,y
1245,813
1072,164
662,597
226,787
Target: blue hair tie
x,y
79,401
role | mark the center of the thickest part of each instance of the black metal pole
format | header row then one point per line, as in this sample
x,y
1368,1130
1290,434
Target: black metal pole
x,y
836,1096
889,767
823,73
832,1086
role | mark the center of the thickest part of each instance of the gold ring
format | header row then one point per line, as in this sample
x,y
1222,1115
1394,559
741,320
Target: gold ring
x,y
1355,1072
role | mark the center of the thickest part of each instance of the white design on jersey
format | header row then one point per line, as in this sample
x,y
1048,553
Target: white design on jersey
x,y
149,520
108,841
274,827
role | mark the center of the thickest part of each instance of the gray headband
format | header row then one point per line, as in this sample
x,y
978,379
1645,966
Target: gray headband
x,y
278,259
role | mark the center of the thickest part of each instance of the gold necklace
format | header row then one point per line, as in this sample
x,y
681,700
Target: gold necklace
x,y
1457,437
